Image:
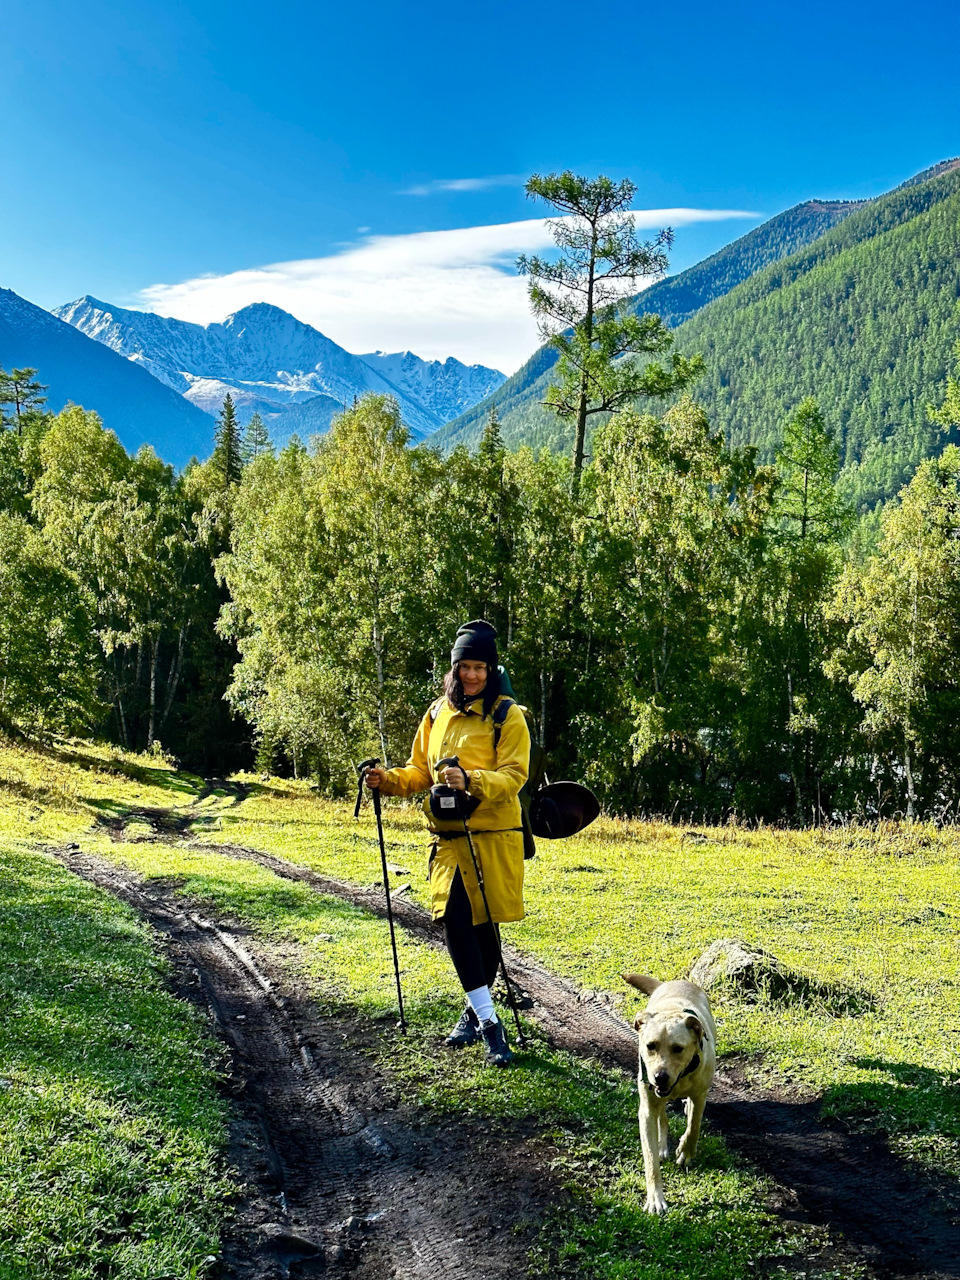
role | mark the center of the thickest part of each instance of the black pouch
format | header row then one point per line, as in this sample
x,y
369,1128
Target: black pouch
x,y
450,805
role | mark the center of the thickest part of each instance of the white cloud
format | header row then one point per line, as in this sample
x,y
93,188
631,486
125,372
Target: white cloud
x,y
437,293
465,184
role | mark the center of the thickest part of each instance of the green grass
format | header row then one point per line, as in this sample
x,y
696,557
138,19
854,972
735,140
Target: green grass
x,y
718,1224
872,912
111,1131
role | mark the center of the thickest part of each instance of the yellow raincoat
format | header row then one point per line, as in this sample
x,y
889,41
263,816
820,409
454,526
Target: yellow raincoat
x,y
496,777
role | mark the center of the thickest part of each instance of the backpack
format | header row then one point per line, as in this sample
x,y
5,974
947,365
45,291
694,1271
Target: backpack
x,y
536,768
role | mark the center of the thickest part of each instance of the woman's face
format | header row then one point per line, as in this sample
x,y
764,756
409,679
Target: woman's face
x,y
473,677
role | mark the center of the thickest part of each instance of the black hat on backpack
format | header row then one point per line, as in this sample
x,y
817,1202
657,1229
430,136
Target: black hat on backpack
x,y
562,809
476,641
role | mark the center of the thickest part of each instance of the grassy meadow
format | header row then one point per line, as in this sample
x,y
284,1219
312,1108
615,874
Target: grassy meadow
x,y
95,1054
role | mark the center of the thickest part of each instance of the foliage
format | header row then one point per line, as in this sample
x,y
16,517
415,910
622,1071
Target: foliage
x,y
47,650
256,439
227,459
675,299
24,392
864,317
902,611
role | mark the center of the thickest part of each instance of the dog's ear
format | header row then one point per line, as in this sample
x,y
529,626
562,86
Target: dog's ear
x,y
640,1019
696,1026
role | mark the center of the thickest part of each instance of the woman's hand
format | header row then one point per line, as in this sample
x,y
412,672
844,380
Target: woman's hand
x,y
373,778
455,778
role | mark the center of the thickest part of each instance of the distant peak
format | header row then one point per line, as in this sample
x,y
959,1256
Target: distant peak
x,y
262,309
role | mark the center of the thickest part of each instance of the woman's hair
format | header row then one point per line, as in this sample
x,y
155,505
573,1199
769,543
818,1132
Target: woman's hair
x,y
453,688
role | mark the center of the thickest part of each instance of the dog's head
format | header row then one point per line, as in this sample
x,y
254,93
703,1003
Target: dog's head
x,y
669,1044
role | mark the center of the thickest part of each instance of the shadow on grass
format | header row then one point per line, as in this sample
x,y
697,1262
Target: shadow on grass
x,y
910,1099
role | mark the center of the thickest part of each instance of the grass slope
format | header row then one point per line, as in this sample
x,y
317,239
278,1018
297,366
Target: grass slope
x,y
110,1128
873,912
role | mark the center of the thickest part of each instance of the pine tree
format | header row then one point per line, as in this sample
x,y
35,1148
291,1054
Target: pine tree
x,y
256,439
227,457
20,389
576,297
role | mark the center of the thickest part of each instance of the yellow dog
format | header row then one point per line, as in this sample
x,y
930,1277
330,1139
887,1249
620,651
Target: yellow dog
x,y
678,1058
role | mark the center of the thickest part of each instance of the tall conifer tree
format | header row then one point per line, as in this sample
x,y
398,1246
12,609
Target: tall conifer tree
x,y
227,456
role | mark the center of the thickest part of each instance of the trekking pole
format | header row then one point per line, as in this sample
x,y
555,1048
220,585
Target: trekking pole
x,y
375,792
454,763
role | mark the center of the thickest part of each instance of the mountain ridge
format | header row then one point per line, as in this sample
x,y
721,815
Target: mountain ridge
x,y
76,369
271,363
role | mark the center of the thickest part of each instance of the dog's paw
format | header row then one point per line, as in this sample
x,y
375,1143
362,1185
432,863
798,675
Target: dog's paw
x,y
655,1202
685,1155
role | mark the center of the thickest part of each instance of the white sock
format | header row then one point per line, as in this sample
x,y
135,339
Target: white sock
x,y
481,1002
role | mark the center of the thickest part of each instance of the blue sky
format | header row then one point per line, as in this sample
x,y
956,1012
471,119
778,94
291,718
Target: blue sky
x,y
162,144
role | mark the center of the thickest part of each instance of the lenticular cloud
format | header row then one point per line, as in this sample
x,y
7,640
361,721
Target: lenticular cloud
x,y
437,293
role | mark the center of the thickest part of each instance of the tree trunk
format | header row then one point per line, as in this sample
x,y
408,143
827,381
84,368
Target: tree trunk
x,y
152,720
908,769
378,654
579,445
173,679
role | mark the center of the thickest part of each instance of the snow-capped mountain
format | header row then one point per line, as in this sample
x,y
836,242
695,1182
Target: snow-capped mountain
x,y
271,362
137,407
447,387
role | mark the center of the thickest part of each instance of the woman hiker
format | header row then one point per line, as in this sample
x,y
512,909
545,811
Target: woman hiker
x,y
460,724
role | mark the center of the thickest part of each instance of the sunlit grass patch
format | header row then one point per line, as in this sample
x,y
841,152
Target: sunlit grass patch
x,y
111,1129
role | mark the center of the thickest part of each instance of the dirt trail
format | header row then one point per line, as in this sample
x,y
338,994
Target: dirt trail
x,y
414,1207
900,1222
343,1178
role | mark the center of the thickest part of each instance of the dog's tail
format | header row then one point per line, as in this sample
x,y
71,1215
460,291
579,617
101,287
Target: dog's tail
x,y
642,981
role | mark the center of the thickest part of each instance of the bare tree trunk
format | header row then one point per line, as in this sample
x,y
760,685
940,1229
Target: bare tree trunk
x,y
154,659
173,679
908,769
118,704
378,654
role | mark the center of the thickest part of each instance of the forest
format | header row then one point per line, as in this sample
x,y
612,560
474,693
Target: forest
x,y
697,634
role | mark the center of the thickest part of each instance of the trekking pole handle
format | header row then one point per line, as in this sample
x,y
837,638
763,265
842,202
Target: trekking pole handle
x,y
361,775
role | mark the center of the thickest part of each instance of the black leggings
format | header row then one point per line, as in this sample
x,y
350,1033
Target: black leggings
x,y
474,948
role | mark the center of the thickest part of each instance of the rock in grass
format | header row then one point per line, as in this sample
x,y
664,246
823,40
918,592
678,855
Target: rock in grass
x,y
754,972
750,968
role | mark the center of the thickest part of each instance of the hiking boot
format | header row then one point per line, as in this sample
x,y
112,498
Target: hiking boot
x,y
467,1030
495,1039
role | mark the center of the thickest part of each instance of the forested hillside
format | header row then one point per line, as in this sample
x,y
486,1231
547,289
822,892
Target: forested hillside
x,y
864,318
675,299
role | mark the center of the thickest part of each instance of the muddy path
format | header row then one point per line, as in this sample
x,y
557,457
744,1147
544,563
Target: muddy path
x,y
898,1221
341,1177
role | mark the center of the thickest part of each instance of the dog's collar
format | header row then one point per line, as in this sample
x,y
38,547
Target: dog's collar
x,y
691,1066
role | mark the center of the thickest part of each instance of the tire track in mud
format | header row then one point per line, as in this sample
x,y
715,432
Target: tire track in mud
x,y
901,1221
340,1176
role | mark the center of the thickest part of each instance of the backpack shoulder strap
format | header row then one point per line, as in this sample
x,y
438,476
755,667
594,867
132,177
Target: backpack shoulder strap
x,y
436,708
499,716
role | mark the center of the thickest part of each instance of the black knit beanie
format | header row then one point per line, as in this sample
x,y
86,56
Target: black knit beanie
x,y
477,641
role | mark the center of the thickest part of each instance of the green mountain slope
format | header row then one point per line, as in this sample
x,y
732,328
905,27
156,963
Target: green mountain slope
x,y
676,299
865,319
